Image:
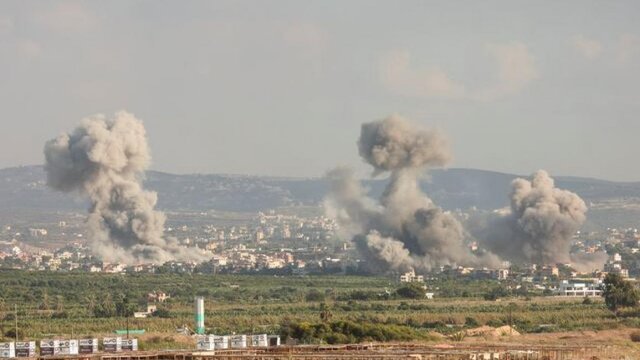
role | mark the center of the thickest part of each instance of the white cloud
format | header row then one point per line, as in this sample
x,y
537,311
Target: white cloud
x,y
29,48
589,48
6,24
68,16
516,69
306,35
403,79
628,48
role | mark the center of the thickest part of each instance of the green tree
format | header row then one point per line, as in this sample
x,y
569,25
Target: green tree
x,y
124,308
44,304
315,295
59,303
325,313
411,291
618,293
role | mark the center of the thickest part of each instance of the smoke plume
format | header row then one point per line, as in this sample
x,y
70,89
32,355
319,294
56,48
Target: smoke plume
x,y
404,229
540,223
104,160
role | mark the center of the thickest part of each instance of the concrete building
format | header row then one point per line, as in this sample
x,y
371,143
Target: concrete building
x,y
411,276
567,288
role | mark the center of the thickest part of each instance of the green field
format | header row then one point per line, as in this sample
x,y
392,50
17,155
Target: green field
x,y
334,309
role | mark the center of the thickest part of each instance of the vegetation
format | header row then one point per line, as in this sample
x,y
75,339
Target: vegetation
x,y
347,332
411,291
312,309
619,293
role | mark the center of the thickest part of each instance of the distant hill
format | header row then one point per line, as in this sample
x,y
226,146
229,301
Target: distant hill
x,y
25,188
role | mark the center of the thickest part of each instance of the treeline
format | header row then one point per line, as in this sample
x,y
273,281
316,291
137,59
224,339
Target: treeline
x,y
346,332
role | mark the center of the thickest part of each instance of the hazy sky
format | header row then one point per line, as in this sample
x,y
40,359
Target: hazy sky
x,y
281,87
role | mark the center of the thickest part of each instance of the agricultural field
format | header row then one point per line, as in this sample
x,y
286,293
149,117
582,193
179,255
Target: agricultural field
x,y
311,309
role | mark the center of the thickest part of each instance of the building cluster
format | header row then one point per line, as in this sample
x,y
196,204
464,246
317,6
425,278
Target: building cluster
x,y
267,242
221,342
65,348
293,244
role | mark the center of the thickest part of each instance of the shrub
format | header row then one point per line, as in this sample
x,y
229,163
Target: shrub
x,y
411,291
315,295
60,315
471,322
635,336
459,336
163,313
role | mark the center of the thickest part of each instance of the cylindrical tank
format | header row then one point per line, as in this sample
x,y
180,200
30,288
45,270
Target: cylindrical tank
x,y
199,315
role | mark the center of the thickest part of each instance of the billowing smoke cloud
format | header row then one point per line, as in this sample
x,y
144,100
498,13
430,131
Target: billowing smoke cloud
x,y
540,223
105,159
396,144
404,229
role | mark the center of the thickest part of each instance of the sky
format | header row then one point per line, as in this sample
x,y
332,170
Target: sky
x,y
281,87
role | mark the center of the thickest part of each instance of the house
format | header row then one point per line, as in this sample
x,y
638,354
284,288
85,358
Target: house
x,y
502,274
567,288
157,296
143,314
411,276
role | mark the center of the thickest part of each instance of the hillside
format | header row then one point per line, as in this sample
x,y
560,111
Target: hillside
x,y
24,188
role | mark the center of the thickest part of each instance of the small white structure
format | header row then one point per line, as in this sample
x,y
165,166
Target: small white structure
x,y
221,342
259,340
205,342
68,347
26,349
129,344
238,341
88,346
49,347
274,340
567,288
502,274
112,344
7,350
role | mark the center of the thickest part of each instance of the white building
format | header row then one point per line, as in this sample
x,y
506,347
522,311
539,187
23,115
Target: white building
x,y
38,232
502,274
579,289
411,277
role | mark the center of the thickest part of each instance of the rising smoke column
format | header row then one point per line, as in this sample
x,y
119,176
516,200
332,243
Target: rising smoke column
x,y
404,229
540,223
105,160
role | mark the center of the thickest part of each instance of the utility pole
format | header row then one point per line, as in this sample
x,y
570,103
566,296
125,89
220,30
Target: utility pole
x,y
510,320
15,307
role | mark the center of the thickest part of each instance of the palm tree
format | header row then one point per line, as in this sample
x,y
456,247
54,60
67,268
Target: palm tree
x,y
91,301
44,304
59,303
325,313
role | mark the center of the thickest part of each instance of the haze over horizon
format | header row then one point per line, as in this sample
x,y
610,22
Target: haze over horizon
x,y
250,88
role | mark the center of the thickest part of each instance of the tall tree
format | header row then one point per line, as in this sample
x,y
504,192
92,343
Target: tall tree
x,y
619,293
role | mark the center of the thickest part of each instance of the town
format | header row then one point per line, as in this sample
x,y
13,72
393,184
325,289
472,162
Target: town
x,y
297,245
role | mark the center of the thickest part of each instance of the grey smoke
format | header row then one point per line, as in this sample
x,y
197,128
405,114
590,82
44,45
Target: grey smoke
x,y
540,223
404,229
105,160
395,143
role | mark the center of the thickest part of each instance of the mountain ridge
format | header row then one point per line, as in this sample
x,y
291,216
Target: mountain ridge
x,y
25,187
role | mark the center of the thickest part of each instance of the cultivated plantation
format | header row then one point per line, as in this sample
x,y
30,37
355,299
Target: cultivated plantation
x,y
310,309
